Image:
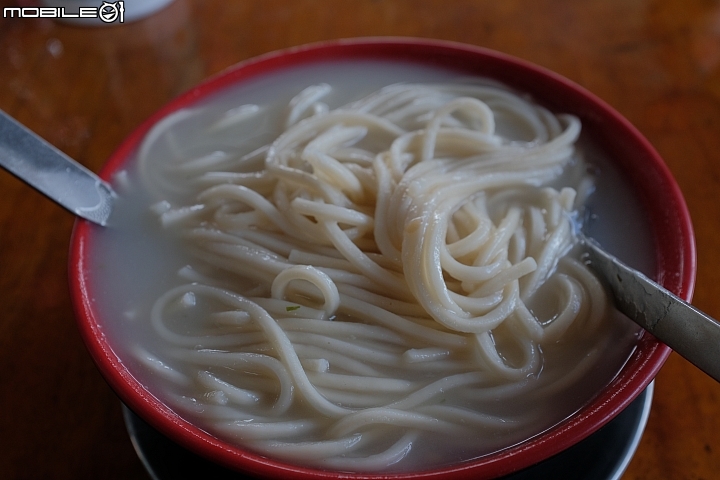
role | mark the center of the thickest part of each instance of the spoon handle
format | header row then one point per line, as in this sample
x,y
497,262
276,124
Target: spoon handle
x,y
50,171
676,323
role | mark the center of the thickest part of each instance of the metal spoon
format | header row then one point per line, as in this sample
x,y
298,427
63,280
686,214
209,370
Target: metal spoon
x,y
50,171
682,327
676,323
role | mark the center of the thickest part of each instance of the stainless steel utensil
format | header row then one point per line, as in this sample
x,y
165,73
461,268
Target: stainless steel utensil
x,y
50,171
684,328
676,323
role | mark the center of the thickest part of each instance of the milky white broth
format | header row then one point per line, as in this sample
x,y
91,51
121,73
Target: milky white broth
x,y
134,261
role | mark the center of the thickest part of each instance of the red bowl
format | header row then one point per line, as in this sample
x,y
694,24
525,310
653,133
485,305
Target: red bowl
x,y
670,226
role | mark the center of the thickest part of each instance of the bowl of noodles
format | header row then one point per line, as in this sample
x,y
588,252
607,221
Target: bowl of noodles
x,y
356,259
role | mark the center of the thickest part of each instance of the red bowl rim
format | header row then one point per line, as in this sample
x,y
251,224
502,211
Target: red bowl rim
x,y
670,224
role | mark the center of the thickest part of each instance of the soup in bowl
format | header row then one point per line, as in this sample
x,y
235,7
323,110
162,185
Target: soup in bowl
x,y
356,259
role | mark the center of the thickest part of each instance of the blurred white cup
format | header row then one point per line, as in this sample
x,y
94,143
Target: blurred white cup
x,y
113,12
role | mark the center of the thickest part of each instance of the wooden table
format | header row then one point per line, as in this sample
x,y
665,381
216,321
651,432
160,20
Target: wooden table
x,y
84,89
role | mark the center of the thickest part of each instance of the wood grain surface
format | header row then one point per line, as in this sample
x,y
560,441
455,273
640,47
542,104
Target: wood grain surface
x,y
85,89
